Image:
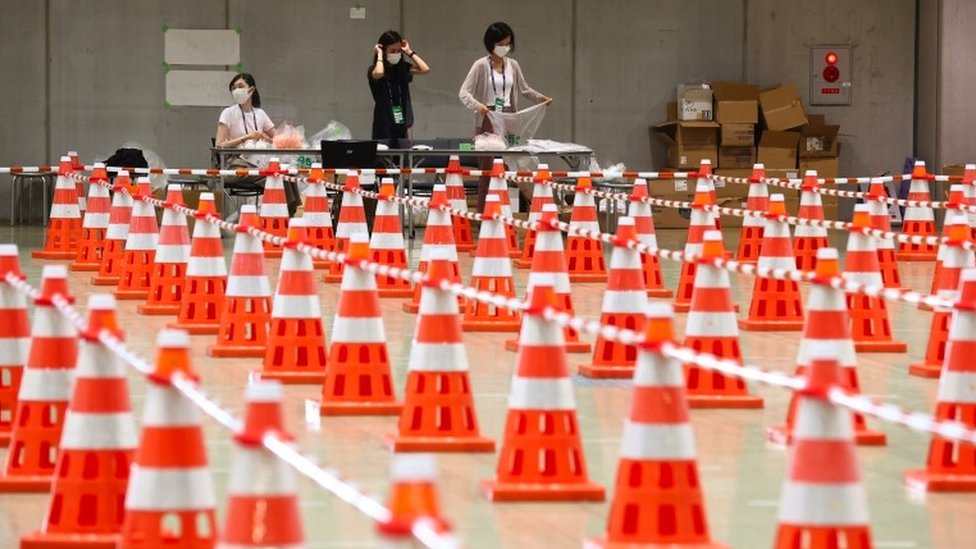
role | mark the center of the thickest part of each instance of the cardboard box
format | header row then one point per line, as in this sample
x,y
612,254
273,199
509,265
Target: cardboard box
x,y
734,172
781,108
826,167
736,157
954,169
672,111
688,142
736,102
819,140
737,135
671,189
777,150
694,102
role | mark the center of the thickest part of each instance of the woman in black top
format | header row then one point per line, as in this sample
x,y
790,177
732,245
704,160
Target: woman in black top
x,y
389,78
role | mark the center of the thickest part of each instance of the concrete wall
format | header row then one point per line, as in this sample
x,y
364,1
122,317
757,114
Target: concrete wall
x,y
956,107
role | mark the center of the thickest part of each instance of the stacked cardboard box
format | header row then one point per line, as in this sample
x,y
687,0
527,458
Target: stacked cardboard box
x,y
818,148
737,112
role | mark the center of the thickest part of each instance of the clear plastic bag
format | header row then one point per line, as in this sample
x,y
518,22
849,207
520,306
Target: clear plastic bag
x,y
333,131
518,127
289,137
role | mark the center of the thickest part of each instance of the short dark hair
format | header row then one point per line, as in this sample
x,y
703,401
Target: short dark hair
x,y
389,38
497,32
249,80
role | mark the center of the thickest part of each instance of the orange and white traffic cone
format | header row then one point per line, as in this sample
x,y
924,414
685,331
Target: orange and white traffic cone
x,y
776,304
456,197
413,497
296,341
701,220
76,166
97,446
64,223
386,244
262,501
643,217
711,328
352,220
809,238
45,388
827,331
246,313
438,410
14,339
318,216
951,464
170,262
919,220
823,504
119,217
358,380
549,260
881,221
955,259
953,215
541,457
870,326
438,235
584,256
541,195
170,501
95,223
624,306
274,209
206,272
704,180
498,187
658,501
969,190
491,272
140,246
751,235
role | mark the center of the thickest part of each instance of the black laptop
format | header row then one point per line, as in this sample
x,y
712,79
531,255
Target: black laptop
x,y
351,154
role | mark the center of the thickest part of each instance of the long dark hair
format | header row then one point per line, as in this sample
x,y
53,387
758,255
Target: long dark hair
x,y
496,32
389,38
249,80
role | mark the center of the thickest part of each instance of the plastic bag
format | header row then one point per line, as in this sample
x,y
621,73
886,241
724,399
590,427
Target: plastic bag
x,y
489,142
289,137
333,131
517,127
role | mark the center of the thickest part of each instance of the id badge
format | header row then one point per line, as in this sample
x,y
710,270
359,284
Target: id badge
x,y
499,104
398,115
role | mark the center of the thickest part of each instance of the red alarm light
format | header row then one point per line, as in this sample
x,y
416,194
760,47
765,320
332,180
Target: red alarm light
x,y
831,58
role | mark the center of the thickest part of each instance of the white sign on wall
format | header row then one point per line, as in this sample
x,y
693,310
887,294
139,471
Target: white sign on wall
x,y
198,88
202,47
196,63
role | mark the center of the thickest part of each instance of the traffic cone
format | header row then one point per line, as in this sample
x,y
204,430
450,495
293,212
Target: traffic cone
x,y
541,457
352,220
246,313
438,235
881,221
751,236
140,246
45,388
711,328
951,464
541,195
119,217
643,217
954,261
969,190
386,244
870,326
919,220
454,182
274,210
549,260
826,331
95,223
953,215
318,216
14,339
823,504
262,504
491,272
658,500
77,166
413,496
704,179
64,224
206,273
809,238
296,340
358,379
701,220
97,446
584,256
170,501
498,187
624,306
776,304
172,254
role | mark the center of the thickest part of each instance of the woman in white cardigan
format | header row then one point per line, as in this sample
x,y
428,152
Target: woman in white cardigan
x,y
494,83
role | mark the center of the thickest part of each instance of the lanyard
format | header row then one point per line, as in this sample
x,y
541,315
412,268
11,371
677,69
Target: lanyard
x,y
254,117
491,74
389,86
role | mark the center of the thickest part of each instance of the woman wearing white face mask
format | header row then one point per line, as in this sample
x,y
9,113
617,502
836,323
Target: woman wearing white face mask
x,y
494,83
389,75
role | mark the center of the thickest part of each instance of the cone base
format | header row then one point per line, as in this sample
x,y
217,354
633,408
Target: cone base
x,y
717,401
360,408
158,310
53,255
489,326
293,378
587,277
196,329
395,292
907,256
784,436
411,307
84,267
333,278
398,443
40,540
931,371
26,484
465,247
4,440
596,371
681,307
235,351
522,263
105,280
607,544
660,292
273,254
582,491
320,264
770,325
572,347
131,294
925,307
920,479
880,346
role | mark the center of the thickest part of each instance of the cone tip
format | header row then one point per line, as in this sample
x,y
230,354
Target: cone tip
x,y
640,181
440,188
316,165
919,163
439,254
123,173
544,279
956,188
99,165
297,222
173,339
54,271
8,250
265,390
759,166
858,208
492,198
625,221
65,159
706,162
810,173
174,187
414,467
101,302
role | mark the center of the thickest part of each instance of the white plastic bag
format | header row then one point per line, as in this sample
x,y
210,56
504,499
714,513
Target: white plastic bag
x,y
517,127
333,131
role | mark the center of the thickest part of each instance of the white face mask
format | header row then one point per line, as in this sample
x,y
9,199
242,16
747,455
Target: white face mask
x,y
393,58
241,95
502,51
